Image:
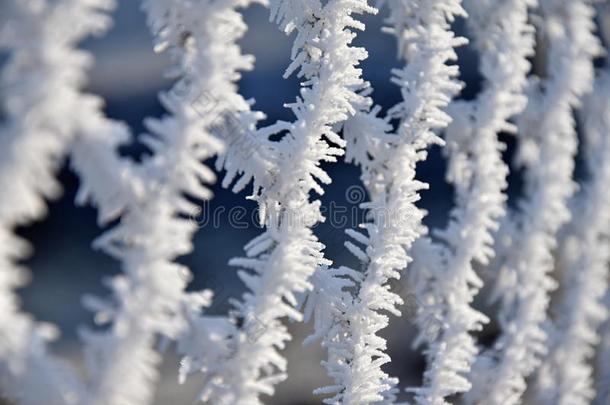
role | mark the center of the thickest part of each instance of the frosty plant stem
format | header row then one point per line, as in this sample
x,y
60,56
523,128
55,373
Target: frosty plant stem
x,y
388,161
505,41
547,146
156,225
281,261
42,85
566,374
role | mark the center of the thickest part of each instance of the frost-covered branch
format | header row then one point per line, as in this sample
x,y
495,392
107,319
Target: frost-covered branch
x,y
281,261
547,149
349,325
476,169
156,213
150,203
42,85
584,254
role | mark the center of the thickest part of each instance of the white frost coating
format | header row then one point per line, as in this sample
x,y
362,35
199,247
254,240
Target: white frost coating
x,y
156,217
566,373
547,149
48,117
349,325
476,169
42,85
602,361
280,262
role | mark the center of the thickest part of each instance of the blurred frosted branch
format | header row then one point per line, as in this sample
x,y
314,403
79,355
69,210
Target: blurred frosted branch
x,y
547,148
356,353
584,254
156,220
504,40
42,85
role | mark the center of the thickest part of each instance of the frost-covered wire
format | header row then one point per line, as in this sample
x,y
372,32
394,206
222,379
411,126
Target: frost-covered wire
x,y
48,117
565,376
41,86
349,325
157,212
547,148
281,261
476,169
